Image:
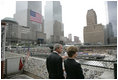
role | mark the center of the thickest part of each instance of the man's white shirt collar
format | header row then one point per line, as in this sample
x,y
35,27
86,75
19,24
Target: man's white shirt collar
x,y
55,52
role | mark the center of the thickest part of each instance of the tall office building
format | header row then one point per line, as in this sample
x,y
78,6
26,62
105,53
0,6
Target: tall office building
x,y
76,40
24,9
53,26
112,22
70,37
93,33
91,17
29,14
110,32
112,15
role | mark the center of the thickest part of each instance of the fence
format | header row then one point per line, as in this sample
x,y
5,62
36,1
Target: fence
x,y
95,68
12,66
36,50
98,69
92,68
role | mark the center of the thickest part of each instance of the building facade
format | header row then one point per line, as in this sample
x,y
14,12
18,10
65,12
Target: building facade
x,y
91,17
53,26
93,33
70,37
11,31
76,40
29,14
112,22
112,15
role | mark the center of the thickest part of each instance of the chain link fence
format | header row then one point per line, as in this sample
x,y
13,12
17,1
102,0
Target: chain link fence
x,y
98,69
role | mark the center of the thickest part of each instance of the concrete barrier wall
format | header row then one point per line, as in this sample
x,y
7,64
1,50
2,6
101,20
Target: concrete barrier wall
x,y
36,66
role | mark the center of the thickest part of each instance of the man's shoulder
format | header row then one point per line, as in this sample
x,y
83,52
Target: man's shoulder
x,y
54,57
53,54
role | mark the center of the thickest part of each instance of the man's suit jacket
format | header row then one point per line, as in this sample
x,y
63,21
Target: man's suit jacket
x,y
73,69
54,66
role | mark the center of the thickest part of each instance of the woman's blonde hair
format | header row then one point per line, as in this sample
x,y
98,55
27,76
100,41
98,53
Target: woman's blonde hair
x,y
71,50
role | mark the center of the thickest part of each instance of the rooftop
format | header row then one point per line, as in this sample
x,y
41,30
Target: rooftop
x,y
8,19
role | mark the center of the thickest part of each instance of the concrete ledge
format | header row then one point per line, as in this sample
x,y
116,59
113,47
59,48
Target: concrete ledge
x,y
7,76
19,76
32,75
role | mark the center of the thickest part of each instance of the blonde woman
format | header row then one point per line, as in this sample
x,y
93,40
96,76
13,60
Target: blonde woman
x,y
73,69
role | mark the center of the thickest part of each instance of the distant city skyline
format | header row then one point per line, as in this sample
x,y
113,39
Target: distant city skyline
x,y
73,14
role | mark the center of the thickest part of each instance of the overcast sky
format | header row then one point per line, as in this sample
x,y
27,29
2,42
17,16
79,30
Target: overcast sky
x,y
73,13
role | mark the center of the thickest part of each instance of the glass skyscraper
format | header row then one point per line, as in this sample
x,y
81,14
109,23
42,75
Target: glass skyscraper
x,y
53,26
112,15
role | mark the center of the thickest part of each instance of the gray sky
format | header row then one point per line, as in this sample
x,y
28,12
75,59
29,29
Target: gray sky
x,y
73,13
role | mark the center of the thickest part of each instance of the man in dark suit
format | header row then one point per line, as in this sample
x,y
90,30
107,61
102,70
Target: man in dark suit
x,y
54,63
73,68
